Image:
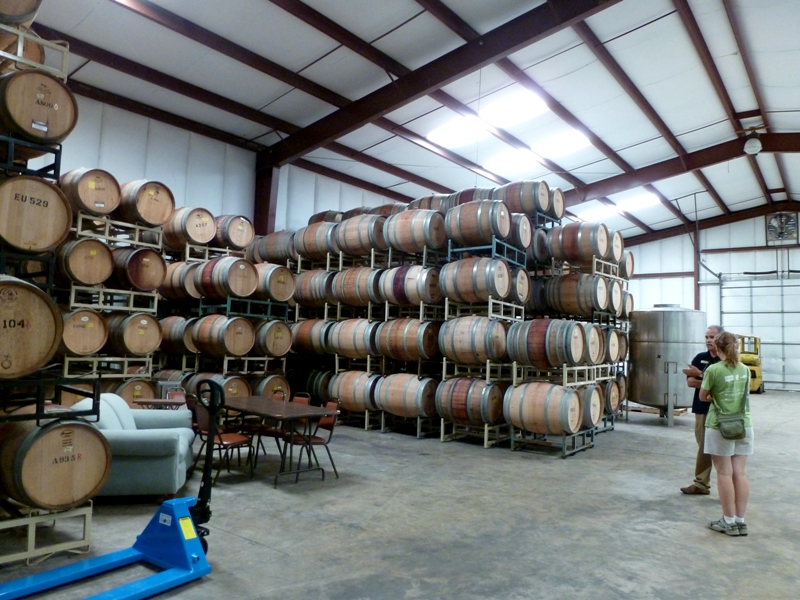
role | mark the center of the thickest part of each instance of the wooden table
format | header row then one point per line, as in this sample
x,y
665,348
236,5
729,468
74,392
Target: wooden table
x,y
163,403
284,412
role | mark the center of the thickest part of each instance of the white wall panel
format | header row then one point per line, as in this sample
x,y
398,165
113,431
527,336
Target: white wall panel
x,y
82,148
239,189
167,157
205,172
123,144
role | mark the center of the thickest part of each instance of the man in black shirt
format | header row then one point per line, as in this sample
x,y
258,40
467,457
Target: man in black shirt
x,y
694,377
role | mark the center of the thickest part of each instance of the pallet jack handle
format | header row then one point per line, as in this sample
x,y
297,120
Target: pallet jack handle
x,y
212,397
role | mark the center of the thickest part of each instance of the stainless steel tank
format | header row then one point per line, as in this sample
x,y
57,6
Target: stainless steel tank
x,y
663,341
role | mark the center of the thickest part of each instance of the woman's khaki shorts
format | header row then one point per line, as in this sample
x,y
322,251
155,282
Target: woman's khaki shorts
x,y
717,445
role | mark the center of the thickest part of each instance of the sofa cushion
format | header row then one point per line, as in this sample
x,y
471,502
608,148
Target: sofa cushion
x,y
122,410
108,418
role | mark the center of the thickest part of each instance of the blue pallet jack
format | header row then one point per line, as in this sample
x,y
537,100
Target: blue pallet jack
x,y
173,541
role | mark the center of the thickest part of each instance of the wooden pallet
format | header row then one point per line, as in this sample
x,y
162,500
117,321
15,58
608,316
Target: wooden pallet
x,y
633,407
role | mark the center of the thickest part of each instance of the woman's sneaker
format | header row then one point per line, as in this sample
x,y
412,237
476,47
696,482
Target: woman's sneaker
x,y
742,528
731,529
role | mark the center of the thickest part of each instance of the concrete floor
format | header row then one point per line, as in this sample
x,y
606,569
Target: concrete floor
x,y
416,518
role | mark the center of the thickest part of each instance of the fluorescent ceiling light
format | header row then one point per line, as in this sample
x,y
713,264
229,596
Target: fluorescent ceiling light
x,y
642,201
458,132
513,162
598,214
512,110
562,144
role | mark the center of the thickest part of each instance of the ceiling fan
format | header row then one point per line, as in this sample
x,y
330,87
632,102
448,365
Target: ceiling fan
x,y
781,226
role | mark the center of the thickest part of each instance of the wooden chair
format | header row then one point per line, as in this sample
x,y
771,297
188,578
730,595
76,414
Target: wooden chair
x,y
326,424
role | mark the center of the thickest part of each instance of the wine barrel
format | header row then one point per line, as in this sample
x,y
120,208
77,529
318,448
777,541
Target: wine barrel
x,y
137,334
612,397
233,231
131,390
526,197
595,351
355,390
592,407
326,216
316,241
16,12
546,343
94,191
226,276
234,386
32,49
578,243
273,338
440,203
612,345
318,386
615,298
558,205
622,386
174,375
68,398
57,465
354,338
354,212
469,401
577,294
521,234
142,269
150,203
37,107
616,247
406,395
627,304
537,298
410,285
34,214
179,282
476,223
188,225
275,247
623,346
310,336
387,210
539,251
314,288
85,332
357,286
176,335
414,230
408,339
31,328
275,282
626,265
359,235
84,261
472,280
473,340
471,195
520,288
270,384
220,336
543,408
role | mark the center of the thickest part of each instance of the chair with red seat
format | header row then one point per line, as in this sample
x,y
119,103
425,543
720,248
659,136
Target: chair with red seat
x,y
326,424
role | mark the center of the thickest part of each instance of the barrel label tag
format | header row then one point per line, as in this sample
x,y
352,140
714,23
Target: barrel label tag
x,y
91,185
40,125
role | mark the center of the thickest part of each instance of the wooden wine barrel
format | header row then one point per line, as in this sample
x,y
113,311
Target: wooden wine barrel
x,y
69,398
31,328
316,241
558,206
226,276
220,336
472,280
188,225
131,390
94,191
414,230
537,299
37,107
174,375
85,332
318,386
179,282
546,343
526,197
622,354
32,50
612,397
354,338
273,338
142,269
473,340
626,265
577,294
137,334
354,212
407,395
15,12
275,282
616,247
176,335
387,210
55,466
471,195
276,247
520,288
85,261
408,339
357,286
270,384
578,243
310,336
539,251
34,214
326,216
355,390
314,288
469,401
150,203
233,231
622,386
411,285
543,408
615,298
234,386
592,407
440,203
612,345
595,351
476,223
521,234
627,304
359,235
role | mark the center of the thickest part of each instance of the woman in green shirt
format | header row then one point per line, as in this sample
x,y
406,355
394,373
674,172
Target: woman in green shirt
x,y
727,385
